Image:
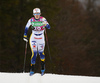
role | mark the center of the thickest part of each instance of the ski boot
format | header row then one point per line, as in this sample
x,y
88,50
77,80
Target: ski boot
x,y
42,68
31,73
42,72
32,69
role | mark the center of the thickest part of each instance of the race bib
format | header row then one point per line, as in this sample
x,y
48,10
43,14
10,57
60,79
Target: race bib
x,y
38,26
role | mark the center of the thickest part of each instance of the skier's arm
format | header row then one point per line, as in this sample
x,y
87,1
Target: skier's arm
x,y
26,30
48,26
46,23
27,27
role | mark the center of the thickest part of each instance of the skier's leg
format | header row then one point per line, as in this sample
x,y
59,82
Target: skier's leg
x,y
42,55
33,46
33,60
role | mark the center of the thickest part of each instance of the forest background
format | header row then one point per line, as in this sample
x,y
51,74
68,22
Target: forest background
x,y
74,37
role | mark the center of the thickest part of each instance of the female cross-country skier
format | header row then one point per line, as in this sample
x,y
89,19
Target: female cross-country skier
x,y
37,39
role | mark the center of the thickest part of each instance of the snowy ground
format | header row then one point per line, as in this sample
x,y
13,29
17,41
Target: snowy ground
x,y
47,78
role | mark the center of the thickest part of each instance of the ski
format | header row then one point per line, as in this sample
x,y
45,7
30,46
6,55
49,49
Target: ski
x,y
31,74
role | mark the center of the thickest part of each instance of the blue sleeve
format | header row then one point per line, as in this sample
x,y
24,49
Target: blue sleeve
x,y
27,27
25,32
48,26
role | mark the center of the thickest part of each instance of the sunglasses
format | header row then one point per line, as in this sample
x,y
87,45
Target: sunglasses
x,y
36,13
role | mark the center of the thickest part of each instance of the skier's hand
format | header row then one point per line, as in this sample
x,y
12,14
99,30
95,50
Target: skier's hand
x,y
44,23
25,38
33,28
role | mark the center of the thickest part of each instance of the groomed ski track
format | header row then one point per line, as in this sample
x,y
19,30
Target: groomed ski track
x,y
46,78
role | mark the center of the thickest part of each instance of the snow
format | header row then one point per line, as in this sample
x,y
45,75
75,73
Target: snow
x,y
47,78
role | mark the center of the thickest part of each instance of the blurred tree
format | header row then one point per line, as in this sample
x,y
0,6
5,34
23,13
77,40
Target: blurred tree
x,y
78,40
74,36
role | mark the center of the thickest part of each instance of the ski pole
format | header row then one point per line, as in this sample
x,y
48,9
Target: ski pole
x,y
48,46
25,57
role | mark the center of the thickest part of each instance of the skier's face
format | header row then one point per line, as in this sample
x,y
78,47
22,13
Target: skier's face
x,y
37,15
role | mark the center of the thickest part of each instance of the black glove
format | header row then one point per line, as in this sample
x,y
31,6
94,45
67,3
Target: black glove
x,y
32,27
